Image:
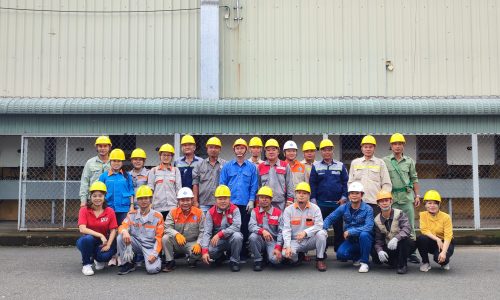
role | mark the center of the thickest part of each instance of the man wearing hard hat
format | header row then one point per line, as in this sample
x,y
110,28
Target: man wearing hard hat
x,y
309,153
298,169
187,163
255,145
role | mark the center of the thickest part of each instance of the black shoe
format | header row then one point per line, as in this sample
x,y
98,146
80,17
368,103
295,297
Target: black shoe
x,y
193,263
126,268
402,270
413,259
235,267
257,266
169,266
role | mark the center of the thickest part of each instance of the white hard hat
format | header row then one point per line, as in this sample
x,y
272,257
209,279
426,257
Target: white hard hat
x,y
356,187
290,145
185,192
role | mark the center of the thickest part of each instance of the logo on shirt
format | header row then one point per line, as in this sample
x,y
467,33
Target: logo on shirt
x,y
273,217
104,219
229,216
195,218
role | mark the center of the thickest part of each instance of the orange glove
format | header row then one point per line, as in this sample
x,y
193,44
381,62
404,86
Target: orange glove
x,y
180,239
196,249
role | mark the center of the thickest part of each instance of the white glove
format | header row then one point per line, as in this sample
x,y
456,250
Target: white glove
x,y
383,256
250,206
128,254
393,244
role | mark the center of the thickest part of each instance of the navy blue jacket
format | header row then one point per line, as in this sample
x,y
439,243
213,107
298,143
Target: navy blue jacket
x,y
328,183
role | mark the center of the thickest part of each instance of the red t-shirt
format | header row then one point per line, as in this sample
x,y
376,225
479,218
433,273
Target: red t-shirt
x,y
102,224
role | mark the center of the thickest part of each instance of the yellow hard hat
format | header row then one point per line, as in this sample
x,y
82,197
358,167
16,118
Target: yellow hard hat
x,y
214,141
384,195
308,146
103,140
240,141
117,154
138,153
326,143
144,191
432,195
98,186
397,138
187,139
255,142
167,148
368,139
265,191
303,186
272,143
222,191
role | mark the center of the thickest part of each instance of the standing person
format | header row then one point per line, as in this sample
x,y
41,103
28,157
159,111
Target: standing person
x,y
255,146
309,152
358,225
370,171
222,230
404,179
298,169
266,224
97,223
94,167
142,230
206,176
302,228
183,231
329,187
240,176
120,195
165,181
139,172
276,174
393,241
186,163
436,233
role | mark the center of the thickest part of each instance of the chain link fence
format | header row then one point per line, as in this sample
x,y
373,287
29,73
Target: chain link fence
x,y
52,166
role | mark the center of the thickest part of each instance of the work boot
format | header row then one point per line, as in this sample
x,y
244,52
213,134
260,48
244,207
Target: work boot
x,y
402,270
193,263
413,259
169,266
257,266
235,267
321,265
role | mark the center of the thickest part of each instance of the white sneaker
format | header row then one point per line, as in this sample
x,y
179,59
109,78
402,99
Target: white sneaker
x,y
425,267
446,267
356,263
364,268
99,265
87,270
112,261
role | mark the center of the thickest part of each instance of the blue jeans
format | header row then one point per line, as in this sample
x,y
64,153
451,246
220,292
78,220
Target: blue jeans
x,y
356,248
90,247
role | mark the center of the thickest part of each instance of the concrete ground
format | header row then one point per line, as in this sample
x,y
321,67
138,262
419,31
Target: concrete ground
x,y
55,273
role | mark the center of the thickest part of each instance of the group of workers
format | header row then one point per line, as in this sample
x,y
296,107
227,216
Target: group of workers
x,y
272,210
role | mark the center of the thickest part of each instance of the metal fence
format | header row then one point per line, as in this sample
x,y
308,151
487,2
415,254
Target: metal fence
x,y
464,168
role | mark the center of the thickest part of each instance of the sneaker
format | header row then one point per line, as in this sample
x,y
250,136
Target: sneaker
x,y
126,268
169,266
425,267
87,270
113,261
99,265
413,259
257,266
402,270
446,267
356,263
321,265
364,268
235,267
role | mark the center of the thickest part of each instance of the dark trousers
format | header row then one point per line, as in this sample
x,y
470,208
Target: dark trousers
x,y
120,216
399,257
373,252
164,214
427,246
245,218
338,227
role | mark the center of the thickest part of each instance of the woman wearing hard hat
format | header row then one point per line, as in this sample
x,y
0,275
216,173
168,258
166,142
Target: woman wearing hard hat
x,y
436,233
97,223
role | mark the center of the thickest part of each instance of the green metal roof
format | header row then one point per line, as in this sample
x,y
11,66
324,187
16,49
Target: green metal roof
x,y
249,116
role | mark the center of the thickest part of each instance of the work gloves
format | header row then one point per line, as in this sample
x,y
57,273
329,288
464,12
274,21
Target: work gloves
x,y
250,206
393,244
383,256
196,249
128,254
180,239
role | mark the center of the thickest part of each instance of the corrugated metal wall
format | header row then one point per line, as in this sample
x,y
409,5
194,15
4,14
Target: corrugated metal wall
x,y
95,54
308,48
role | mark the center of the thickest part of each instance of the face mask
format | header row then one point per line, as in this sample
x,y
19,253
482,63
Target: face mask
x,y
386,208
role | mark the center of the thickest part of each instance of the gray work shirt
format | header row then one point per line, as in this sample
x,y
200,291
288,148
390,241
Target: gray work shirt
x,y
207,177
